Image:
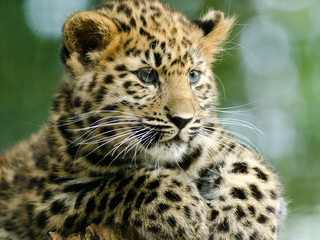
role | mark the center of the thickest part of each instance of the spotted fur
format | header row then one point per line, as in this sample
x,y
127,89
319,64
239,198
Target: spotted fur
x,y
133,139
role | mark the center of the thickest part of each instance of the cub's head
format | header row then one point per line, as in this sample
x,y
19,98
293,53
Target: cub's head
x,y
138,81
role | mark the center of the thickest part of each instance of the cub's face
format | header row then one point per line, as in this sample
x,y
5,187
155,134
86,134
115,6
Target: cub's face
x,y
140,78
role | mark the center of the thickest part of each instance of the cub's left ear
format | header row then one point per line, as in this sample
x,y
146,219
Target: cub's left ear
x,y
215,28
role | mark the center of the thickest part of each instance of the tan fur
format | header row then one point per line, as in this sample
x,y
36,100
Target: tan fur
x,y
133,147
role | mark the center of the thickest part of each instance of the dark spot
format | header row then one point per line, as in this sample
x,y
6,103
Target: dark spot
x,y
100,95
227,208
140,199
176,61
110,107
125,9
83,223
103,202
153,185
33,182
58,207
115,201
188,159
273,195
158,59
110,220
224,226
131,92
140,181
91,205
107,131
162,207
123,75
172,196
271,209
181,231
154,44
121,68
86,186
217,182
69,222
214,214
78,202
97,220
87,107
172,221
231,147
108,79
260,174
238,193
151,197
240,213
127,84
77,102
126,214
176,183
222,198
252,210
130,196
147,54
123,27
144,22
137,223
239,167
239,236
145,33
152,217
206,26
163,46
186,210
255,192
56,104
254,236
133,22
64,54
153,229
42,219
262,219
123,183
93,83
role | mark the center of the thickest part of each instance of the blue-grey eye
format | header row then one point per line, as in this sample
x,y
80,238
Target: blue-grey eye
x,y
194,76
147,76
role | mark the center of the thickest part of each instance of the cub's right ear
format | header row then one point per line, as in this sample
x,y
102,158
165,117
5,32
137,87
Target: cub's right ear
x,y
85,32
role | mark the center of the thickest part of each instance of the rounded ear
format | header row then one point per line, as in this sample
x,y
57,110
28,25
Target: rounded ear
x,y
215,28
85,32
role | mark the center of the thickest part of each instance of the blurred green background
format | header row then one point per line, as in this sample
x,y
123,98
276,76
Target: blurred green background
x,y
269,76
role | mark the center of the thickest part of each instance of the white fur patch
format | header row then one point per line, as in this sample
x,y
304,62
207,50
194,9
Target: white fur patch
x,y
167,153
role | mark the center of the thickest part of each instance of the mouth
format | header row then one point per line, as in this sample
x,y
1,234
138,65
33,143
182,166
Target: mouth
x,y
176,139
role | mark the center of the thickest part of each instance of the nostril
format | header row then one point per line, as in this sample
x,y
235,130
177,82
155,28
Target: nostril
x,y
178,121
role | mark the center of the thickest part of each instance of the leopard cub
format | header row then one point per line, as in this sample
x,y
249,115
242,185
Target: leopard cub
x,y
133,140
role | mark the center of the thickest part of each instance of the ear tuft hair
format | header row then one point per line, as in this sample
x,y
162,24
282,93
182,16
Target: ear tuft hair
x,y
215,28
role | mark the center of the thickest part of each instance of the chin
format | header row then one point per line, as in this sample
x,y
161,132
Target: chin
x,y
163,153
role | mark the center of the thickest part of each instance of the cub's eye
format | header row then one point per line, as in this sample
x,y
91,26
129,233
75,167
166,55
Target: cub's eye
x,y
194,76
147,76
